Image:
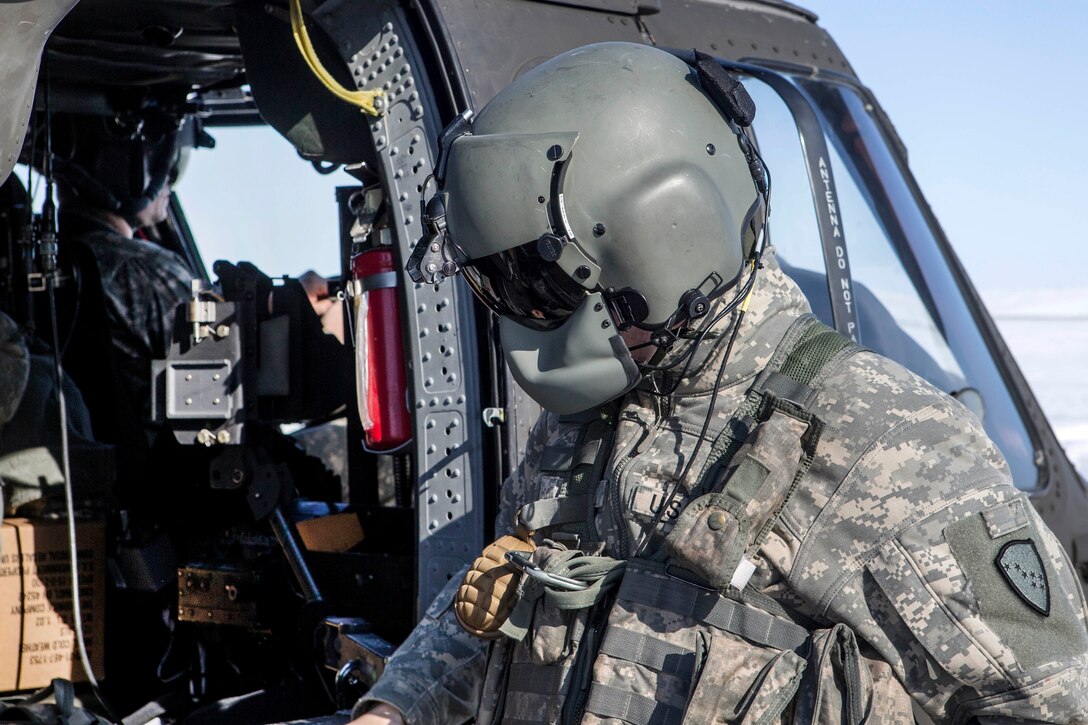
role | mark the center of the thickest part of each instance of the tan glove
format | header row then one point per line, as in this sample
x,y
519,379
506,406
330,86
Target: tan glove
x,y
489,589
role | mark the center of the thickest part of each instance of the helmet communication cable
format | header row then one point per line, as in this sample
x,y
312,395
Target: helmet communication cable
x,y
647,530
48,241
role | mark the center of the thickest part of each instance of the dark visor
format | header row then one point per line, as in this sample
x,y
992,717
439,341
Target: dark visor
x,y
519,284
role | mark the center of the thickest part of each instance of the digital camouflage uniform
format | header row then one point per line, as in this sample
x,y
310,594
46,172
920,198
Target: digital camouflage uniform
x,y
143,284
14,367
888,552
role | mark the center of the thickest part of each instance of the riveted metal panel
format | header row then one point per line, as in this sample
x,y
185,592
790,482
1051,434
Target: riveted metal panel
x,y
745,30
440,331
521,35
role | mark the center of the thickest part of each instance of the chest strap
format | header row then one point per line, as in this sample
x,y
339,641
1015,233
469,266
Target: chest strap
x,y
709,607
547,512
582,461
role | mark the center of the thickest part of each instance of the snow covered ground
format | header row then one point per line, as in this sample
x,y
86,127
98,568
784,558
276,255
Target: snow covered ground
x,y
1047,331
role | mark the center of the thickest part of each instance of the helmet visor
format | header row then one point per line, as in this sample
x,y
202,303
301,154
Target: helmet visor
x,y
520,285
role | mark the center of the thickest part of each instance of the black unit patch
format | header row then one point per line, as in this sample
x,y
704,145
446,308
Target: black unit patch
x,y
1020,564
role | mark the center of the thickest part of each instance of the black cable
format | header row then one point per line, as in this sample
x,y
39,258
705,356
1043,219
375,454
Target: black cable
x,y
77,278
740,301
77,610
48,236
647,531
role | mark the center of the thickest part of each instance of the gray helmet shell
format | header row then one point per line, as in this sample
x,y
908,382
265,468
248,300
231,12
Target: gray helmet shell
x,y
655,190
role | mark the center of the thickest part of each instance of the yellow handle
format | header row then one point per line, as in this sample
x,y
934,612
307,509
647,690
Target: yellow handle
x,y
361,98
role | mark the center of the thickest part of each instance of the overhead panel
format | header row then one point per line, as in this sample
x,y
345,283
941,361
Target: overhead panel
x,y
498,40
747,31
521,34
290,98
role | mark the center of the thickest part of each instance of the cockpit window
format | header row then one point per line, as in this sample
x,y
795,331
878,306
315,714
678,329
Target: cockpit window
x,y
253,198
908,305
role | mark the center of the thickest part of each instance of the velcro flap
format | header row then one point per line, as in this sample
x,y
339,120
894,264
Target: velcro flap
x,y
558,457
709,538
1006,518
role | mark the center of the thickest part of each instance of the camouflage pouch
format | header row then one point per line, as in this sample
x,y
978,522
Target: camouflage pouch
x,y
845,685
555,632
715,531
740,683
676,652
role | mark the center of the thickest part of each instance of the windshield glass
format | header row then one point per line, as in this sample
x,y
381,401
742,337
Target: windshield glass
x,y
897,268
253,198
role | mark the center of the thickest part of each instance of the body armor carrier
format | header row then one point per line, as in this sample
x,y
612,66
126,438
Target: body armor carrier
x,y
675,635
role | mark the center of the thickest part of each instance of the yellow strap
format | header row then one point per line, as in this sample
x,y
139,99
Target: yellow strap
x,y
748,294
361,98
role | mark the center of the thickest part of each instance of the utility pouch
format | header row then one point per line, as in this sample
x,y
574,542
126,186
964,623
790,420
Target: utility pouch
x,y
554,628
716,530
741,683
555,632
676,652
845,686
488,592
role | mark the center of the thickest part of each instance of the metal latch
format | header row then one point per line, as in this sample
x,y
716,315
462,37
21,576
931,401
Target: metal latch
x,y
494,416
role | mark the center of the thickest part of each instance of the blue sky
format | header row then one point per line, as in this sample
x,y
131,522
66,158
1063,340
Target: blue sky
x,y
989,99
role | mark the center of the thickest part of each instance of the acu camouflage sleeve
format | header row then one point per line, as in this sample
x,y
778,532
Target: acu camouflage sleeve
x,y
436,675
951,575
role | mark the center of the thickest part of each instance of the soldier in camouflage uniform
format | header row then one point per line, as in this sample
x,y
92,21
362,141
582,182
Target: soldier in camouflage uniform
x,y
104,202
775,526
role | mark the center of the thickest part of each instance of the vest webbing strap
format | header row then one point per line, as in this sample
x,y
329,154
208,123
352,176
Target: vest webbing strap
x,y
806,351
649,651
707,606
606,701
537,679
584,463
553,511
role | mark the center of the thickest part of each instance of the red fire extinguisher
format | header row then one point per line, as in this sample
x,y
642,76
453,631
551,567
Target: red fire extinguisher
x,y
380,381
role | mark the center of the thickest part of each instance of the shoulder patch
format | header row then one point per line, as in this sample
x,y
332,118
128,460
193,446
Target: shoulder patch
x,y
1020,565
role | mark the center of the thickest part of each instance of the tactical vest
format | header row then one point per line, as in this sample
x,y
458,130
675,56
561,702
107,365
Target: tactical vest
x,y
675,635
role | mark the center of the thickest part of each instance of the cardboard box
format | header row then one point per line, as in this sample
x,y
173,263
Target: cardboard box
x,y
335,532
37,641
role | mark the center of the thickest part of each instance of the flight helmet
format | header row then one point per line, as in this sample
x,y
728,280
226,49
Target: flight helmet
x,y
609,187
119,162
